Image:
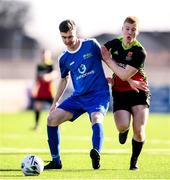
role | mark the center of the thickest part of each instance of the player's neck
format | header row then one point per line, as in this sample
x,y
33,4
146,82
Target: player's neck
x,y
75,46
127,44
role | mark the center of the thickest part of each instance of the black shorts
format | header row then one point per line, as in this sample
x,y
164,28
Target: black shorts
x,y
126,100
43,100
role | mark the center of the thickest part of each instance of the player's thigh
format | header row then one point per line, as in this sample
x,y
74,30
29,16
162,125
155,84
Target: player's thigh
x,y
122,119
58,116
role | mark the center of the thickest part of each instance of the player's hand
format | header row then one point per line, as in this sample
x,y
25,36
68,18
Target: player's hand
x,y
110,81
53,107
138,85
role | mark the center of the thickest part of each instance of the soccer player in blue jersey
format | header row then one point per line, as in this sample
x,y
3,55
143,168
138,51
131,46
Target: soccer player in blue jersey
x,y
83,61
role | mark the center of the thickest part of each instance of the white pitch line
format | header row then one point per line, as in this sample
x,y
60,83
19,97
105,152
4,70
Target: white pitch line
x,y
109,151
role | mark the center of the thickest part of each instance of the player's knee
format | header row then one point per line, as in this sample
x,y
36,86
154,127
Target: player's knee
x,y
139,135
122,128
97,117
50,120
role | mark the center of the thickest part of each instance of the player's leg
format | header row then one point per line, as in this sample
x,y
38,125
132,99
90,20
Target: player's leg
x,y
122,121
122,114
97,138
68,110
55,118
140,117
37,111
97,110
97,129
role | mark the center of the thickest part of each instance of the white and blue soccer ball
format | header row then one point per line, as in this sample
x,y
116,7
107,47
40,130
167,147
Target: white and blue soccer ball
x,y
32,165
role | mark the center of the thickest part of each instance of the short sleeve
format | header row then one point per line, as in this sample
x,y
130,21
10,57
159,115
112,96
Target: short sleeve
x,y
138,58
63,69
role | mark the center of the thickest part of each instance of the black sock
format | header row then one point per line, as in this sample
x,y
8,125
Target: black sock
x,y
136,148
37,117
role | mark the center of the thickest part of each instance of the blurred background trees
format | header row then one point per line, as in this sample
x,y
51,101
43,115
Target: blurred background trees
x,y
14,15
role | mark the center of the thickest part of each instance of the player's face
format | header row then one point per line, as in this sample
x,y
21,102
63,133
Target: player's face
x,y
69,39
130,32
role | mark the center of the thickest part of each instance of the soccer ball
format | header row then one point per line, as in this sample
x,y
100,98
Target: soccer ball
x,y
32,165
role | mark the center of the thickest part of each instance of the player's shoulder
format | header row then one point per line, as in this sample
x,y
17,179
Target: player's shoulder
x,y
89,40
62,54
138,49
137,45
114,41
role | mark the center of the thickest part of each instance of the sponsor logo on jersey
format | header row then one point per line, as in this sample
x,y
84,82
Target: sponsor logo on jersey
x,y
85,74
82,71
87,56
121,65
129,56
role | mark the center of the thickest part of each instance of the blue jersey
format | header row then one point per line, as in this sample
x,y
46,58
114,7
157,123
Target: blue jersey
x,y
85,67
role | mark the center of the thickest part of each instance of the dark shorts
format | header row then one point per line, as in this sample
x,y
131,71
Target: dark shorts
x,y
126,100
43,100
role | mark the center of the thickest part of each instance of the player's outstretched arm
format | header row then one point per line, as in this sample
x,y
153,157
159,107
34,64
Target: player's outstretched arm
x,y
60,90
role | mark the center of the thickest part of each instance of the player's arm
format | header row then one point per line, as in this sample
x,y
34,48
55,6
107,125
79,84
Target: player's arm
x,y
35,88
123,74
60,90
50,74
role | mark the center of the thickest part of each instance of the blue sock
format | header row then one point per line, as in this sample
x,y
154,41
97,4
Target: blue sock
x,y
97,137
54,142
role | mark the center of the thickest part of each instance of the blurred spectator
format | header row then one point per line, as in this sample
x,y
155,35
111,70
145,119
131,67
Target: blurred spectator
x,y
42,90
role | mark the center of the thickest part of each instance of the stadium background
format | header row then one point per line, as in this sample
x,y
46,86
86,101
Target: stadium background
x,y
19,54
18,71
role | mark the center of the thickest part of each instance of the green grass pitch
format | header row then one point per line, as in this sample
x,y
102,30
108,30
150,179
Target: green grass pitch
x,y
17,139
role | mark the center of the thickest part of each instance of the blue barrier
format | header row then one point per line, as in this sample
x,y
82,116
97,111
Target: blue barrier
x,y
160,99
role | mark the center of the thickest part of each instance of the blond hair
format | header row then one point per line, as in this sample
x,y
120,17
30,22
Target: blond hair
x,y
131,20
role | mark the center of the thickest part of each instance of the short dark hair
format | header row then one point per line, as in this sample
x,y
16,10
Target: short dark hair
x,y
67,25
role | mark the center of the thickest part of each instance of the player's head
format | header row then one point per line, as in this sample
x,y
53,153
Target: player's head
x,y
46,56
68,33
67,25
130,29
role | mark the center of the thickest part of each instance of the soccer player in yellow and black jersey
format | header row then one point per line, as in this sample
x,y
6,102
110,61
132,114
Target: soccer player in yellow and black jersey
x,y
125,56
